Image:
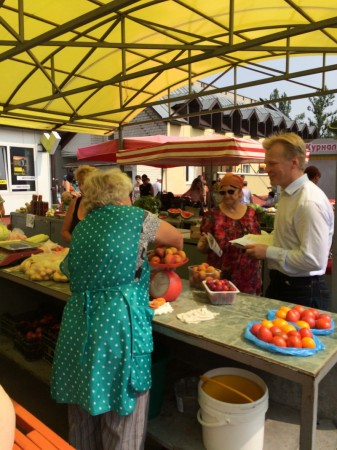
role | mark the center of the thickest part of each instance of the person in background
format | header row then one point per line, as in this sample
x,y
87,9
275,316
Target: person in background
x,y
102,362
146,188
230,220
196,191
157,187
136,188
246,194
303,229
206,199
270,200
7,421
313,174
75,210
2,207
70,185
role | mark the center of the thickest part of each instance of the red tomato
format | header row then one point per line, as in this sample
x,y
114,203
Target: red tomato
x,y
308,313
293,315
323,324
314,311
283,335
265,334
294,333
305,332
324,316
255,328
294,341
279,341
275,330
310,320
299,308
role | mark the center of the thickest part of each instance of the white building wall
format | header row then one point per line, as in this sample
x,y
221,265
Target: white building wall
x,y
24,137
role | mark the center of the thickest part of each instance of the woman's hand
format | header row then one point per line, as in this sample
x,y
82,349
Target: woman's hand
x,y
202,244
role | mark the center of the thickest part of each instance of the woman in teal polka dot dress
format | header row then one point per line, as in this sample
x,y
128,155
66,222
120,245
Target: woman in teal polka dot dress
x,y
102,362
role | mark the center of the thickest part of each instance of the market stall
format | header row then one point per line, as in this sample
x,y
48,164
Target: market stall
x,y
223,336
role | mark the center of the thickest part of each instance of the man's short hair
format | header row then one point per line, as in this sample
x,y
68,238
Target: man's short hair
x,y
292,143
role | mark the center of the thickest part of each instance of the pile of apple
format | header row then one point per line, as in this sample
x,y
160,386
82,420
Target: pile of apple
x,y
201,272
300,315
166,255
219,285
281,333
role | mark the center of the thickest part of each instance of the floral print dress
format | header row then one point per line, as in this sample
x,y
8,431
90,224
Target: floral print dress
x,y
235,264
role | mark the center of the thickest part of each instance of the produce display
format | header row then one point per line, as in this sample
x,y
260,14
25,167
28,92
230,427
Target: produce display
x,y
167,256
186,214
45,266
219,285
157,302
174,212
280,336
201,272
220,292
319,323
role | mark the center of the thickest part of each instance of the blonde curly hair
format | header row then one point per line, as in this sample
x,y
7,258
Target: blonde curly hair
x,y
106,187
81,173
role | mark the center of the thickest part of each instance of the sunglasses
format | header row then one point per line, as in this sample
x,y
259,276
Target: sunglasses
x,y
229,192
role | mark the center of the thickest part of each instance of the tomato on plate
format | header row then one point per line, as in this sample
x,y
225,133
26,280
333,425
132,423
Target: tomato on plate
x,y
279,341
323,324
265,334
293,315
294,341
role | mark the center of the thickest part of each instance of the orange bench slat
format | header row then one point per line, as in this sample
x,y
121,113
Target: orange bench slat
x,y
16,447
28,422
23,442
41,441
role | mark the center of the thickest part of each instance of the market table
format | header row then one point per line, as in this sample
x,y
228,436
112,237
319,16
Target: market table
x,y
224,336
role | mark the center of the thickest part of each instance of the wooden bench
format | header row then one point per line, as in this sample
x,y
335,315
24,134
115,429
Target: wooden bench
x,y
32,434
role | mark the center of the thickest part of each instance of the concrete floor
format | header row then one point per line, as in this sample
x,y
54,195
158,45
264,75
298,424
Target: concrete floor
x,y
281,426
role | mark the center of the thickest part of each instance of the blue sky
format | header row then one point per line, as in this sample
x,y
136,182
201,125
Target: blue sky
x,y
296,64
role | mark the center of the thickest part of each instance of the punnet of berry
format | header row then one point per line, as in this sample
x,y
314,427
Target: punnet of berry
x,y
220,292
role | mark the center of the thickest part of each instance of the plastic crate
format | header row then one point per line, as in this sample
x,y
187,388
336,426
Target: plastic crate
x,y
31,349
49,338
8,325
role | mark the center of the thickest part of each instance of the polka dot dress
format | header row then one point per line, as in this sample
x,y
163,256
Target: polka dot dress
x,y
103,353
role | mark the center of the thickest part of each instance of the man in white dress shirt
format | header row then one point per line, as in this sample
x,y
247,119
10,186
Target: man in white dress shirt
x,y
303,229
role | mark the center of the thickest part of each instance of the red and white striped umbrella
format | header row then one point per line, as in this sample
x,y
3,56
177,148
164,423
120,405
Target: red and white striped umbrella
x,y
173,151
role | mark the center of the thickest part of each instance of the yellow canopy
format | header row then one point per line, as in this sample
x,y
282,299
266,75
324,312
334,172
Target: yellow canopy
x,y
90,66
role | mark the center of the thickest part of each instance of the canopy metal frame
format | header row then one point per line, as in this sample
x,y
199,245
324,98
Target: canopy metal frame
x,y
152,56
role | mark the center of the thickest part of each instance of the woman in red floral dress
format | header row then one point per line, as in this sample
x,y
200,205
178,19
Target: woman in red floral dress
x,y
230,220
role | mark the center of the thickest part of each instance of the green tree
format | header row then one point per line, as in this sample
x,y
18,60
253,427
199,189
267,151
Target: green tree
x,y
333,127
283,105
322,117
300,117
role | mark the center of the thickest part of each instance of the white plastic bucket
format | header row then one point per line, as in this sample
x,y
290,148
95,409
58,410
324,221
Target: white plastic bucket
x,y
230,424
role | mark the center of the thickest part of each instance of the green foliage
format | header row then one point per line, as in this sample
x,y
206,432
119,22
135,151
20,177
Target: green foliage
x,y
333,127
283,105
149,203
322,117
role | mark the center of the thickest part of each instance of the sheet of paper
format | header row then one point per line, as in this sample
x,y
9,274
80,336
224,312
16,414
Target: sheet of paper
x,y
266,239
213,245
30,220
